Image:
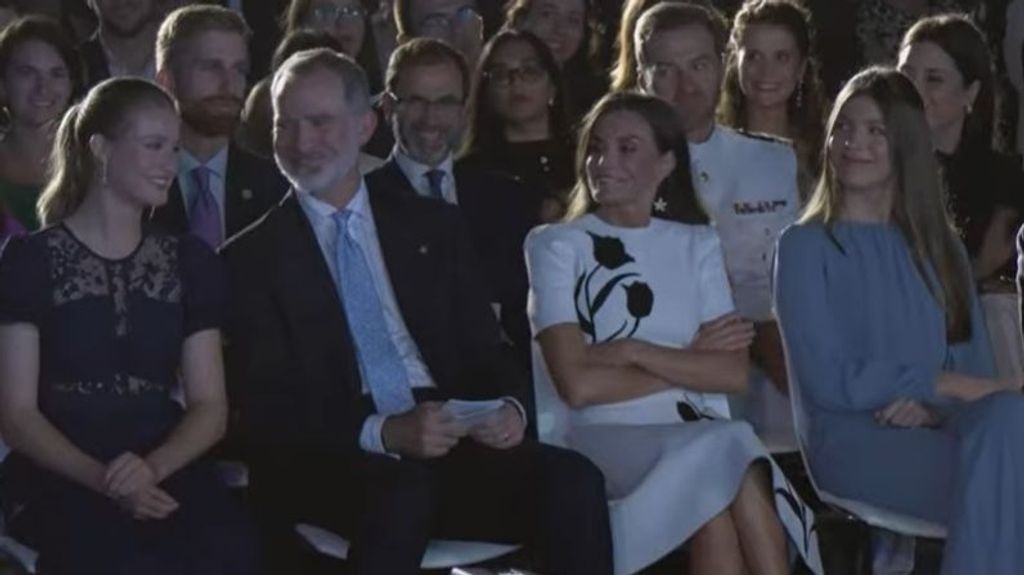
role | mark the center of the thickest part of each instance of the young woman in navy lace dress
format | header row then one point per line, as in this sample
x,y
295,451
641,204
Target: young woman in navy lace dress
x,y
100,321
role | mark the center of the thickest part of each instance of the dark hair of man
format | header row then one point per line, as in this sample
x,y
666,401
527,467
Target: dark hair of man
x,y
424,52
676,15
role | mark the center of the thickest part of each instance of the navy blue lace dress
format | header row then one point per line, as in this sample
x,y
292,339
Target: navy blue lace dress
x,y
110,341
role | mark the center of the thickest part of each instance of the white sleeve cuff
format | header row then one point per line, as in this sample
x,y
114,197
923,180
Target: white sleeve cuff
x,y
519,407
371,438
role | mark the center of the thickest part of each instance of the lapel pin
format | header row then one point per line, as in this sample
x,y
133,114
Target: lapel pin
x,y
247,194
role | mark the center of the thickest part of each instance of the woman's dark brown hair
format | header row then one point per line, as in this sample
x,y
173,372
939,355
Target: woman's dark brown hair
x,y
965,44
486,131
47,31
669,136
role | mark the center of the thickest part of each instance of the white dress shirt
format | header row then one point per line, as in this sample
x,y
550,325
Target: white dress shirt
x,y
416,173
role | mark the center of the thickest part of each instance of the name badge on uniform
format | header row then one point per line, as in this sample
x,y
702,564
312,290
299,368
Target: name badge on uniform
x,y
758,207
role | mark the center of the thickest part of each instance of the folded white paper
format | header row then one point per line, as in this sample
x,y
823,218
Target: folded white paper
x,y
472,413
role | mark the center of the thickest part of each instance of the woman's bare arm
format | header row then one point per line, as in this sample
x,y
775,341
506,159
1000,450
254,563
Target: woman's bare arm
x,y
25,429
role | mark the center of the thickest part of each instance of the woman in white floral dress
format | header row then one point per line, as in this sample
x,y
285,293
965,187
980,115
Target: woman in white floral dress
x,y
636,346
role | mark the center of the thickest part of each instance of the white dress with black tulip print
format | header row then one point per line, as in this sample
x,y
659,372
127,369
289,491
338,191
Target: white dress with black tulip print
x,y
673,460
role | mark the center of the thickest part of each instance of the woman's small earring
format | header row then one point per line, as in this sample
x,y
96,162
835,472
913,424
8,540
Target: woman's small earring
x,y
800,95
104,176
970,108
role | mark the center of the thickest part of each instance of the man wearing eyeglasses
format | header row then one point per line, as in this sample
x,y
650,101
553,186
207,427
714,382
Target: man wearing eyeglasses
x,y
427,83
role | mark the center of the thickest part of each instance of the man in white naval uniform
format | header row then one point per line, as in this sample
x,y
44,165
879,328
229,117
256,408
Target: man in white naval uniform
x,y
748,184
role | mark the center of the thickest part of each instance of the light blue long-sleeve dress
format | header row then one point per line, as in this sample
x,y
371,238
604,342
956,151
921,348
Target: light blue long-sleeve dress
x,y
861,330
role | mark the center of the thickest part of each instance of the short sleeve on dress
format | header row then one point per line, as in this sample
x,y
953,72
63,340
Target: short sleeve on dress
x,y
551,265
24,293
715,293
204,284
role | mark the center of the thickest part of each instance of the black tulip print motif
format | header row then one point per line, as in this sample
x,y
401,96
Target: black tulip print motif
x,y
610,253
639,302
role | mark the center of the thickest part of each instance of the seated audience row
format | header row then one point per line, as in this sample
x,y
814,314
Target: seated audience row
x,y
361,295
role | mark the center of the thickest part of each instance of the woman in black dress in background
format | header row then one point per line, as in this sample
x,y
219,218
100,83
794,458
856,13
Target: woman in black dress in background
x,y
518,123
571,30
947,58
100,320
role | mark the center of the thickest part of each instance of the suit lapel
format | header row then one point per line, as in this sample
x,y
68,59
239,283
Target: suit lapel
x,y
392,178
410,256
237,194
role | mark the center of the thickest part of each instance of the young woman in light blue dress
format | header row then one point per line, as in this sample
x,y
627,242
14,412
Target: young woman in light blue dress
x,y
886,340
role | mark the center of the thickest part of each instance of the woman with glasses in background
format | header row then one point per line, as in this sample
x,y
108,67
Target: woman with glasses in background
x,y
518,121
569,29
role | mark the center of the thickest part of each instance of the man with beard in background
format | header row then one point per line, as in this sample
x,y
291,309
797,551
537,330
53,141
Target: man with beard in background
x,y
203,59
123,42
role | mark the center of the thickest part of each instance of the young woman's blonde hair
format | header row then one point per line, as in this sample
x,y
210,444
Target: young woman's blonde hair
x,y
918,206
105,110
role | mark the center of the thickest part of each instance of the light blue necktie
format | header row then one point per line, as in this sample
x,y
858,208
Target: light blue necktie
x,y
379,363
434,179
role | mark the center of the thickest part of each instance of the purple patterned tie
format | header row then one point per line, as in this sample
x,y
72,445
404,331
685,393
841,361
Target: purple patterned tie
x,y
204,213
